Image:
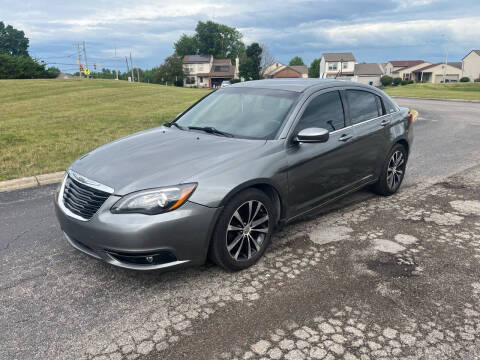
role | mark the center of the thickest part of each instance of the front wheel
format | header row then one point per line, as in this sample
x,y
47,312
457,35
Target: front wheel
x,y
243,230
393,171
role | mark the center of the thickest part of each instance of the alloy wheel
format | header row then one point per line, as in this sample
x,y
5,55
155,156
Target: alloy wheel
x,y
247,230
395,170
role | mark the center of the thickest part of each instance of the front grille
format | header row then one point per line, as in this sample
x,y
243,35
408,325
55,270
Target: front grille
x,y
82,200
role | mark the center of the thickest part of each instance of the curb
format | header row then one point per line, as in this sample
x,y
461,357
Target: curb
x,y
31,181
435,99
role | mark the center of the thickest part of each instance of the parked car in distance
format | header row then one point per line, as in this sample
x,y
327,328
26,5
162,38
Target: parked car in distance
x,y
225,83
222,176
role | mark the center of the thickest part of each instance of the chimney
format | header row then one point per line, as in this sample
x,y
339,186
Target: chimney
x,y
237,64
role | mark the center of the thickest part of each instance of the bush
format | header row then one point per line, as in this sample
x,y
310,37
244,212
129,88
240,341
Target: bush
x,y
404,82
386,80
234,81
477,80
410,81
465,79
397,81
24,67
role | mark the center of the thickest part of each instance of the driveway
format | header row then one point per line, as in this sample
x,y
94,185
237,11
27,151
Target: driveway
x,y
367,278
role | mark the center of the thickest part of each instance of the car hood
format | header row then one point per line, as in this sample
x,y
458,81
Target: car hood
x,y
159,157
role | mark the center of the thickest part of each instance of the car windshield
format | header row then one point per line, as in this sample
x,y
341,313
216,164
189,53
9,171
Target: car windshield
x,y
241,112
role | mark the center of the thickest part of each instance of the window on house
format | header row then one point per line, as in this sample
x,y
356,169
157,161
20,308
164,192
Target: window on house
x,y
190,80
332,66
221,68
200,67
345,65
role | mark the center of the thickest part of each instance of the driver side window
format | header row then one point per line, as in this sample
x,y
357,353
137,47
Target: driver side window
x,y
325,111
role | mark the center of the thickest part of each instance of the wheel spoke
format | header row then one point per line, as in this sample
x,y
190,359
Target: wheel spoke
x,y
259,221
238,217
234,242
400,163
390,180
256,211
249,249
265,231
250,205
399,172
238,250
398,158
257,245
234,228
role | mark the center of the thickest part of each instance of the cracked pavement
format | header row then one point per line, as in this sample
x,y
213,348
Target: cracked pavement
x,y
367,278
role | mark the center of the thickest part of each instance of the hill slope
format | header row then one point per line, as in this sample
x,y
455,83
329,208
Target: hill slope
x,y
46,124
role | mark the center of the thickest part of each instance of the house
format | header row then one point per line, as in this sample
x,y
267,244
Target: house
x,y
205,71
279,70
337,65
368,73
434,73
471,65
393,67
407,73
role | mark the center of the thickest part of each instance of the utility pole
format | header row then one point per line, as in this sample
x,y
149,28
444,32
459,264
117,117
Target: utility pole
x,y
446,60
85,58
131,63
79,60
126,61
116,63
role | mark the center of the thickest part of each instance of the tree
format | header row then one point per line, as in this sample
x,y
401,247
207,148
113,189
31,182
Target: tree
x,y
170,72
211,38
396,81
297,60
186,45
314,69
250,67
24,67
12,41
267,57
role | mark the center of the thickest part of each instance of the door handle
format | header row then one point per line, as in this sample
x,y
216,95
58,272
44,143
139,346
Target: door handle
x,y
385,122
345,137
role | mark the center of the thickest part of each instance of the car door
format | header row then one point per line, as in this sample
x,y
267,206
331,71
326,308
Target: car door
x,y
369,122
319,171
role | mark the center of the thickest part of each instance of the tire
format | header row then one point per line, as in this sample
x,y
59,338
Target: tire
x,y
393,171
239,242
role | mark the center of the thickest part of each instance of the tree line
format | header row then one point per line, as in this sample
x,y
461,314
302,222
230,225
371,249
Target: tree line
x,y
15,61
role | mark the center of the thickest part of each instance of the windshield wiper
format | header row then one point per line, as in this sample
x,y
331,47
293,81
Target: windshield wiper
x,y
211,130
169,124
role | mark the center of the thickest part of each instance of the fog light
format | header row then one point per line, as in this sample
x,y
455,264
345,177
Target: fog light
x,y
149,259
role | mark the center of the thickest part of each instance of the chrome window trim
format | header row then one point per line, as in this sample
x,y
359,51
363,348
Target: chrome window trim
x,y
360,123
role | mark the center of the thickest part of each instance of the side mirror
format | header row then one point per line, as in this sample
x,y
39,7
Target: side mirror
x,y
313,135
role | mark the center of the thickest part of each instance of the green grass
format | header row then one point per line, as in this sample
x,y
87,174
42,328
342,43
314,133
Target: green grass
x,y
46,124
465,91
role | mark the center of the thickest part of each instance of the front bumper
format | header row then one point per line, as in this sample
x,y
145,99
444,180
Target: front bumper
x,y
177,238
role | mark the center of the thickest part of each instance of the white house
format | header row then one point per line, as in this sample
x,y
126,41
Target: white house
x,y
368,73
471,65
394,67
337,65
205,71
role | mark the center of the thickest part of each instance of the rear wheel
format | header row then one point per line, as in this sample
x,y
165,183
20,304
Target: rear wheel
x,y
393,171
243,230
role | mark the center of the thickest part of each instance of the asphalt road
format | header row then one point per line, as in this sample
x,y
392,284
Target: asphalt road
x,y
367,278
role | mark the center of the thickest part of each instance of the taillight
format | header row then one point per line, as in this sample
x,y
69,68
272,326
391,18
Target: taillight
x,y
412,115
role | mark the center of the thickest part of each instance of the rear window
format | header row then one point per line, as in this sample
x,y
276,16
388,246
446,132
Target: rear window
x,y
363,105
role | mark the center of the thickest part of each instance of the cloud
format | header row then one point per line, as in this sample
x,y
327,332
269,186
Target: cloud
x,y
376,30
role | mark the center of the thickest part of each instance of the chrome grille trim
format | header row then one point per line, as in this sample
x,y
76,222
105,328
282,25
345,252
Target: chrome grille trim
x,y
80,197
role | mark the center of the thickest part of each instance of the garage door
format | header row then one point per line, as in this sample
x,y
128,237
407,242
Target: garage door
x,y
448,78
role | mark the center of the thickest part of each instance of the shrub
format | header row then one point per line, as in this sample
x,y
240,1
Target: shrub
x,y
410,81
24,67
477,80
234,81
465,79
397,81
404,82
386,80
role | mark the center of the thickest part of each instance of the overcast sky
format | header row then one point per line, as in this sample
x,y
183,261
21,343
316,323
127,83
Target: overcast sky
x,y
374,30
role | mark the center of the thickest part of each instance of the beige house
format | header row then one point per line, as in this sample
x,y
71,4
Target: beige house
x,y
337,65
205,71
408,72
434,73
471,65
368,74
394,67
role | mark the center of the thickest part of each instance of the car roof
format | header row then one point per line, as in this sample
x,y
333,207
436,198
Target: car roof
x,y
297,85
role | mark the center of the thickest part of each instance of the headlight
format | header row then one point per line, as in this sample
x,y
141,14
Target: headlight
x,y
155,201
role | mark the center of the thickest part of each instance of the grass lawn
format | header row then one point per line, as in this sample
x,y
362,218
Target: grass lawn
x,y
466,91
46,124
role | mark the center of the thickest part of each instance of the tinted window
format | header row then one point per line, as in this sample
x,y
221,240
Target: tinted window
x,y
325,111
363,105
390,107
242,111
